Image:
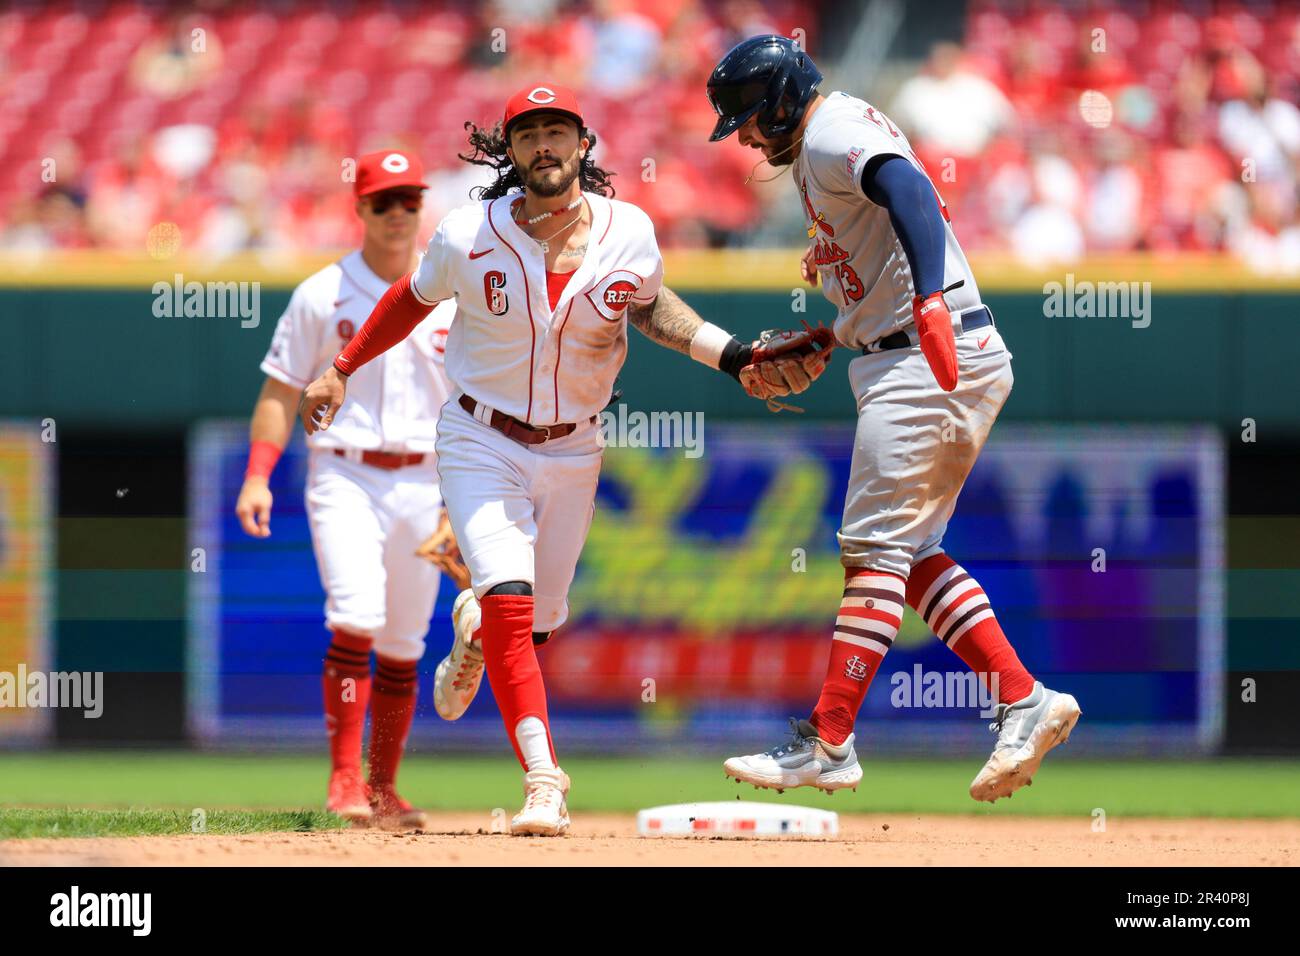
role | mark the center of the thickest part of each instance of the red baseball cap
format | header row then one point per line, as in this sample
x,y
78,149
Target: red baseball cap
x,y
388,169
541,98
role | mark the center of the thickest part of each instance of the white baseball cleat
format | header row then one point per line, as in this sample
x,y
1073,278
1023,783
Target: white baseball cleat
x,y
459,674
805,760
1026,731
546,811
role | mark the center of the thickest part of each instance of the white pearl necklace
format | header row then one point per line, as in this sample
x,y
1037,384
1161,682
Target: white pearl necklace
x,y
547,215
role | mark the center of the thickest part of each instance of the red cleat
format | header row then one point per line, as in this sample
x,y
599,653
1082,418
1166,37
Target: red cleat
x,y
348,796
389,809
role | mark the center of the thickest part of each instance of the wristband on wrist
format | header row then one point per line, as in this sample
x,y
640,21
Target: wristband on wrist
x,y
339,368
735,357
262,456
718,348
709,343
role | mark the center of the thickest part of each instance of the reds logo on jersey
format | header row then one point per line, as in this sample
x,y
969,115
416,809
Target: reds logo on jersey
x,y
611,295
346,329
494,292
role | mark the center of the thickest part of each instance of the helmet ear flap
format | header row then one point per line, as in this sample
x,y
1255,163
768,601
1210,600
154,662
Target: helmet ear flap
x,y
770,122
792,86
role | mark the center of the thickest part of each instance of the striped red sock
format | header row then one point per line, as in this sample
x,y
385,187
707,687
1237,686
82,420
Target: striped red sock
x,y
345,688
510,660
870,614
958,611
392,707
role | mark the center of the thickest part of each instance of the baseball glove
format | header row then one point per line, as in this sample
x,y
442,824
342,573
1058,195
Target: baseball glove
x,y
440,549
784,363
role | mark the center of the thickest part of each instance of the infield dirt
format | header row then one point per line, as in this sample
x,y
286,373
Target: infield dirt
x,y
610,840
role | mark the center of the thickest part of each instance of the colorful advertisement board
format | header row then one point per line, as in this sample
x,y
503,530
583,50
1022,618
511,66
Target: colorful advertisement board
x,y
703,604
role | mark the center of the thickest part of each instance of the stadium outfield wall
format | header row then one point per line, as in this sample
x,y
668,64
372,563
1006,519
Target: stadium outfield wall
x,y
1194,340
125,385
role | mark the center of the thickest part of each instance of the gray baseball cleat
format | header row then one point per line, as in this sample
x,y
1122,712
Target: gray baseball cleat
x,y
805,760
1026,731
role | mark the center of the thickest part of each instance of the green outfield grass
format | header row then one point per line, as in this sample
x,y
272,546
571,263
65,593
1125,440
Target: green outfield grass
x,y
67,822
183,782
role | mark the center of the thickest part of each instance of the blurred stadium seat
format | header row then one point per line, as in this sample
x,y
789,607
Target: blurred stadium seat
x,y
1053,130
288,91
1108,127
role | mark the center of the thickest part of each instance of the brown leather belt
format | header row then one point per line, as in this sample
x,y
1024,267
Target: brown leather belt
x,y
388,460
521,431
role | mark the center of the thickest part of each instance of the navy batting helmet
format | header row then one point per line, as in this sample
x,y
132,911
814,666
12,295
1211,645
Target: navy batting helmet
x,y
760,76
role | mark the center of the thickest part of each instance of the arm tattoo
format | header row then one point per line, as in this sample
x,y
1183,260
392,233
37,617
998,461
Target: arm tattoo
x,y
667,320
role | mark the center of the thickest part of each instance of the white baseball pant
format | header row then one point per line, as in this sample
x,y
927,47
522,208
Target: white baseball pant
x,y
366,523
520,512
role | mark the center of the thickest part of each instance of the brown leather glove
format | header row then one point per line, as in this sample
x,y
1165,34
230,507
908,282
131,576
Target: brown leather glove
x,y
440,549
786,363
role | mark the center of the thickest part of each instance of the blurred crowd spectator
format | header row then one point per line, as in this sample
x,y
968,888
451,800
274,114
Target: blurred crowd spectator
x,y
1110,127
1052,130
236,120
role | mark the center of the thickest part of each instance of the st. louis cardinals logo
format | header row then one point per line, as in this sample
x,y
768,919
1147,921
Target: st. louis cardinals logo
x,y
855,668
611,295
494,292
817,219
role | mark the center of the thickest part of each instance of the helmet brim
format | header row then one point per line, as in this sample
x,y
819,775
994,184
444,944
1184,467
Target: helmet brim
x,y
727,125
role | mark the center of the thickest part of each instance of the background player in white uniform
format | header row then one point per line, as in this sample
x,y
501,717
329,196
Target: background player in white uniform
x,y
546,272
372,488
931,379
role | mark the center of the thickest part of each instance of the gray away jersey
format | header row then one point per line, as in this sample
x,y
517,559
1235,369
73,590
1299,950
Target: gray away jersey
x,y
863,268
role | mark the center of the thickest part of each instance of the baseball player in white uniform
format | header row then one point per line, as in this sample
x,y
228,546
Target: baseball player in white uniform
x,y
372,489
930,379
547,272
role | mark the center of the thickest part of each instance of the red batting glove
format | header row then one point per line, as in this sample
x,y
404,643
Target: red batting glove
x,y
934,326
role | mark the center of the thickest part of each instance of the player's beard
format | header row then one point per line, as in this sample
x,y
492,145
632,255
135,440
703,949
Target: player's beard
x,y
780,152
552,181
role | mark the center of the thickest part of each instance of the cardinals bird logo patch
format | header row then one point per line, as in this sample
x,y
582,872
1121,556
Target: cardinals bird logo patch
x,y
817,219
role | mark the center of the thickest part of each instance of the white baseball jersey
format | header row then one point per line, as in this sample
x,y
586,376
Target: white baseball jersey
x,y
507,348
864,270
393,402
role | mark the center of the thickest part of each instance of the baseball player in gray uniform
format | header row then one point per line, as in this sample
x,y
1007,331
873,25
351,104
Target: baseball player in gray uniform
x,y
930,379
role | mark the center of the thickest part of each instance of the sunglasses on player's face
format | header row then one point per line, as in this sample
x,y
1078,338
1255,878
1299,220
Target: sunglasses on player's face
x,y
380,203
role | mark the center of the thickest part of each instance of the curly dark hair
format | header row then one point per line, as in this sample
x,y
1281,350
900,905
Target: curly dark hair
x,y
488,148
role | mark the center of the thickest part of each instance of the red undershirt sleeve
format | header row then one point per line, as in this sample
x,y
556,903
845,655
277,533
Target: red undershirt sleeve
x,y
394,317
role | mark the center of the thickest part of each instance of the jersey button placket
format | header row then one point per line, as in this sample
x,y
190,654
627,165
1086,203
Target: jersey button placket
x,y
542,393
546,369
